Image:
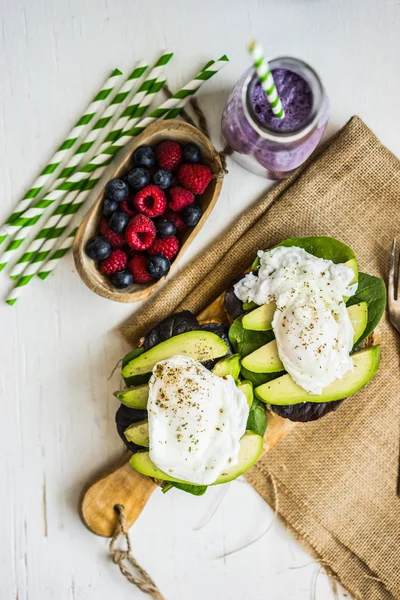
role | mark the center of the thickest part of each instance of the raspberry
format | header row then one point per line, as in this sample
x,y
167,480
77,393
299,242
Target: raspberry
x,y
126,205
138,267
195,177
140,233
114,263
166,246
169,155
176,218
179,198
150,201
117,240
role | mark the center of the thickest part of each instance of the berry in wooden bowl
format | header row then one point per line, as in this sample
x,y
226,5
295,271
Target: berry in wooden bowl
x,y
148,213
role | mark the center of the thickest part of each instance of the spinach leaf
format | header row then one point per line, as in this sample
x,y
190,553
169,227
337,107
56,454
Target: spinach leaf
x,y
257,420
245,341
373,291
196,490
258,378
323,247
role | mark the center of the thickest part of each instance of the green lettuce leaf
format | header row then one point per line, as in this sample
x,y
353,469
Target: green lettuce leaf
x,y
257,420
258,378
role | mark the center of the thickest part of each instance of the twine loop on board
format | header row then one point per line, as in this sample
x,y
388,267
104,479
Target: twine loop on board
x,y
124,558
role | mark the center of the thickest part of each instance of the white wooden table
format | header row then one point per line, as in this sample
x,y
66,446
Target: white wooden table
x,y
58,345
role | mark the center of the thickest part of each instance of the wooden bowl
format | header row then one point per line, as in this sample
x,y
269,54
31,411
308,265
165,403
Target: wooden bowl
x,y
158,132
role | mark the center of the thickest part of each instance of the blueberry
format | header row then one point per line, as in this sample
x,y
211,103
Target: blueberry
x,y
191,153
144,157
98,248
121,279
117,190
191,215
138,178
162,178
109,207
165,227
118,222
158,265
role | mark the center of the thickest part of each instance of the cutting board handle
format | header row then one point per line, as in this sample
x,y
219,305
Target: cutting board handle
x,y
122,486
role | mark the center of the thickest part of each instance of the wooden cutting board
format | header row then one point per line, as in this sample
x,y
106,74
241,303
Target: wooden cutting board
x,y
120,484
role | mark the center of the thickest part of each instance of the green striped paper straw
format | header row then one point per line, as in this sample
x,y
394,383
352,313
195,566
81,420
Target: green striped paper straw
x,y
46,240
75,181
267,81
168,109
55,225
78,180
111,111
65,244
32,216
81,197
64,151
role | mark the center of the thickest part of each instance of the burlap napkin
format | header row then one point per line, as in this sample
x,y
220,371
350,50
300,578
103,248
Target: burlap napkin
x,y
336,478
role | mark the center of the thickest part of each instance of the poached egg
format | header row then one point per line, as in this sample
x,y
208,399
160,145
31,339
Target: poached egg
x,y
196,420
313,331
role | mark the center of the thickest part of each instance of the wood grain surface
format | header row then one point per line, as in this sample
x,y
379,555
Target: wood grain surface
x,y
59,342
121,485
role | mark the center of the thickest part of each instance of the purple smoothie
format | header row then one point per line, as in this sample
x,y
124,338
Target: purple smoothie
x,y
296,97
261,142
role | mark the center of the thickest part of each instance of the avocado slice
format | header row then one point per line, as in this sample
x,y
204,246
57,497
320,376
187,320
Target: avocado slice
x,y
284,390
260,319
230,365
139,379
247,388
138,433
251,446
358,314
200,345
353,265
134,397
264,360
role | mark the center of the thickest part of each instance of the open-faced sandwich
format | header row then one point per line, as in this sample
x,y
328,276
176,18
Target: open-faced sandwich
x,y
290,339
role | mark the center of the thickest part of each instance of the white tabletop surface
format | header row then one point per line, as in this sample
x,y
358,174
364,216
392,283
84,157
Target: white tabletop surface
x,y
58,343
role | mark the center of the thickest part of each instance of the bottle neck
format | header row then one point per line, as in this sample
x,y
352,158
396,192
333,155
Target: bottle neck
x,y
314,83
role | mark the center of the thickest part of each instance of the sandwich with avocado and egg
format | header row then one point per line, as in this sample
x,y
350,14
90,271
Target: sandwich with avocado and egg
x,y
293,337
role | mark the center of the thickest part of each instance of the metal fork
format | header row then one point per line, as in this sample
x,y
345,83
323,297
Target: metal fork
x,y
394,306
394,290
